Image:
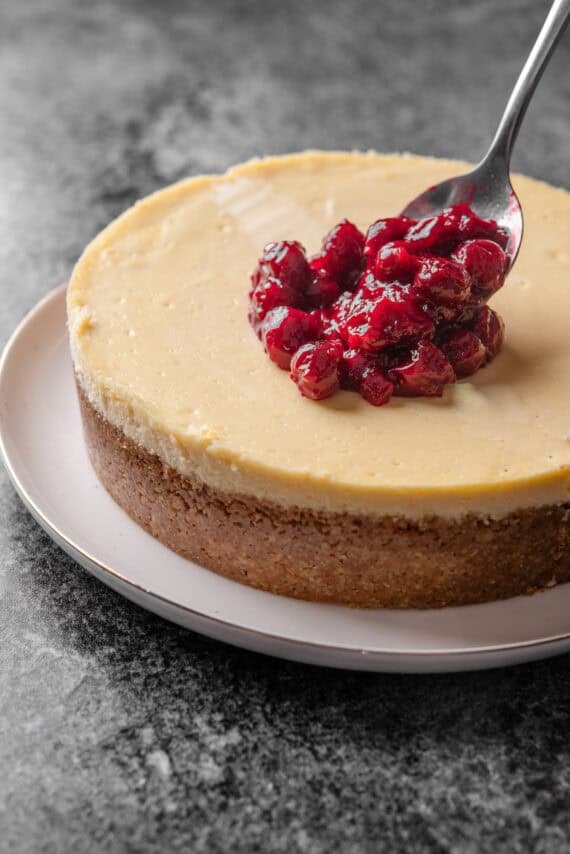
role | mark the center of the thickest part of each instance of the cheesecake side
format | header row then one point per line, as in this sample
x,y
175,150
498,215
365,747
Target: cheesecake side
x,y
353,559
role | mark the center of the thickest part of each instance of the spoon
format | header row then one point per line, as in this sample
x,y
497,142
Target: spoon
x,y
487,189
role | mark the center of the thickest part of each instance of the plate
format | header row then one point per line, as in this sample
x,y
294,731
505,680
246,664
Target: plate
x,y
42,447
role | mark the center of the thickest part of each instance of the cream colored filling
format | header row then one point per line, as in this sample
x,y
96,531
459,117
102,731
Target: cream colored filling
x,y
157,311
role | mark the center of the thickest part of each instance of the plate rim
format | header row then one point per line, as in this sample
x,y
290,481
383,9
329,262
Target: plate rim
x,y
489,652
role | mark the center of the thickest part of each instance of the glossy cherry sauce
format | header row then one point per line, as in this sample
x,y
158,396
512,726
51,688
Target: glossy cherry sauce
x,y
401,310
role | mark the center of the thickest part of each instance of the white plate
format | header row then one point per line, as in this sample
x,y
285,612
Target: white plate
x,y
42,448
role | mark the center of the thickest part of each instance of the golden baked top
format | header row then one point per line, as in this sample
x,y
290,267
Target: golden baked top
x,y
160,340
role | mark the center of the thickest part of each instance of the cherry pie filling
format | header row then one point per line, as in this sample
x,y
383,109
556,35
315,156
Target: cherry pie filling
x,y
400,311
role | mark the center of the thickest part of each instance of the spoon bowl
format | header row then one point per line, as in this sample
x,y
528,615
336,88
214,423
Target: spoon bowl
x,y
489,195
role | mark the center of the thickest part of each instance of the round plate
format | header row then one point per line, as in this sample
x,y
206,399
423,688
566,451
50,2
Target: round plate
x,y
42,446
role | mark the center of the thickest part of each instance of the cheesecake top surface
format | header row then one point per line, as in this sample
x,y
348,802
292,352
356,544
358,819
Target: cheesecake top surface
x,y
161,344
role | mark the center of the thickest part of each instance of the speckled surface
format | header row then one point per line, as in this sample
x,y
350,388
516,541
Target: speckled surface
x,y
119,732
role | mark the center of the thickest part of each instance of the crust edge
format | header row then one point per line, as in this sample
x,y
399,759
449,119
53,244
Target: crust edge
x,y
357,560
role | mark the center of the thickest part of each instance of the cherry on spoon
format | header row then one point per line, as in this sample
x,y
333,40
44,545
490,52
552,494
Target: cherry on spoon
x,y
487,189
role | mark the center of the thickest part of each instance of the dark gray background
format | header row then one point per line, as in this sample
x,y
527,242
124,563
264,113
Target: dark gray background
x,y
119,732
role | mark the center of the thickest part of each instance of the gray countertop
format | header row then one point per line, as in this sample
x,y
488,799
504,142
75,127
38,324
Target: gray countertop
x,y
118,731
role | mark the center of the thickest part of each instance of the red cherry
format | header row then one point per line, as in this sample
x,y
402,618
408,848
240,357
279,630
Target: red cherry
x,y
427,235
383,315
486,264
284,260
315,369
440,234
366,373
470,226
465,351
375,387
323,290
384,231
354,364
341,254
490,329
425,372
443,283
284,330
333,318
267,295
394,261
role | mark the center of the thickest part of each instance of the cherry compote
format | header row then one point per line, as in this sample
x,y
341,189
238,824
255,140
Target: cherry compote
x,y
401,310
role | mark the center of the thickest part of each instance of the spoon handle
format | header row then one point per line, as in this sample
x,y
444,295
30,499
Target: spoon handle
x,y
499,153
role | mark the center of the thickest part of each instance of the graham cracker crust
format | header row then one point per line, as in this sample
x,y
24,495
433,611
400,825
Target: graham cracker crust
x,y
362,561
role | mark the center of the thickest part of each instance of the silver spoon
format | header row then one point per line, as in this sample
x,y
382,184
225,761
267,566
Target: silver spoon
x,y
487,189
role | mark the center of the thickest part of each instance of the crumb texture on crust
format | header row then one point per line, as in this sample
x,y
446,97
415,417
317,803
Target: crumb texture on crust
x,y
329,557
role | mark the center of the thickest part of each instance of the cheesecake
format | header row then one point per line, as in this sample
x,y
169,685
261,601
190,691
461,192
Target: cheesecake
x,y
208,445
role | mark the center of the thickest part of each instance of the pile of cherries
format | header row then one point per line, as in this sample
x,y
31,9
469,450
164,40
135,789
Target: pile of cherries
x,y
398,311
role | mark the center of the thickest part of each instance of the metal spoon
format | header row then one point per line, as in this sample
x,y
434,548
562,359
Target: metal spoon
x,y
487,189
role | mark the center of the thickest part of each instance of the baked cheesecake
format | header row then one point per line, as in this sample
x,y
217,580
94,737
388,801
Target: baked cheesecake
x,y
422,502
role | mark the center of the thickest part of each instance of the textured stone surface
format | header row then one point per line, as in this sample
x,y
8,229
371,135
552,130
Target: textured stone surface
x,y
119,732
